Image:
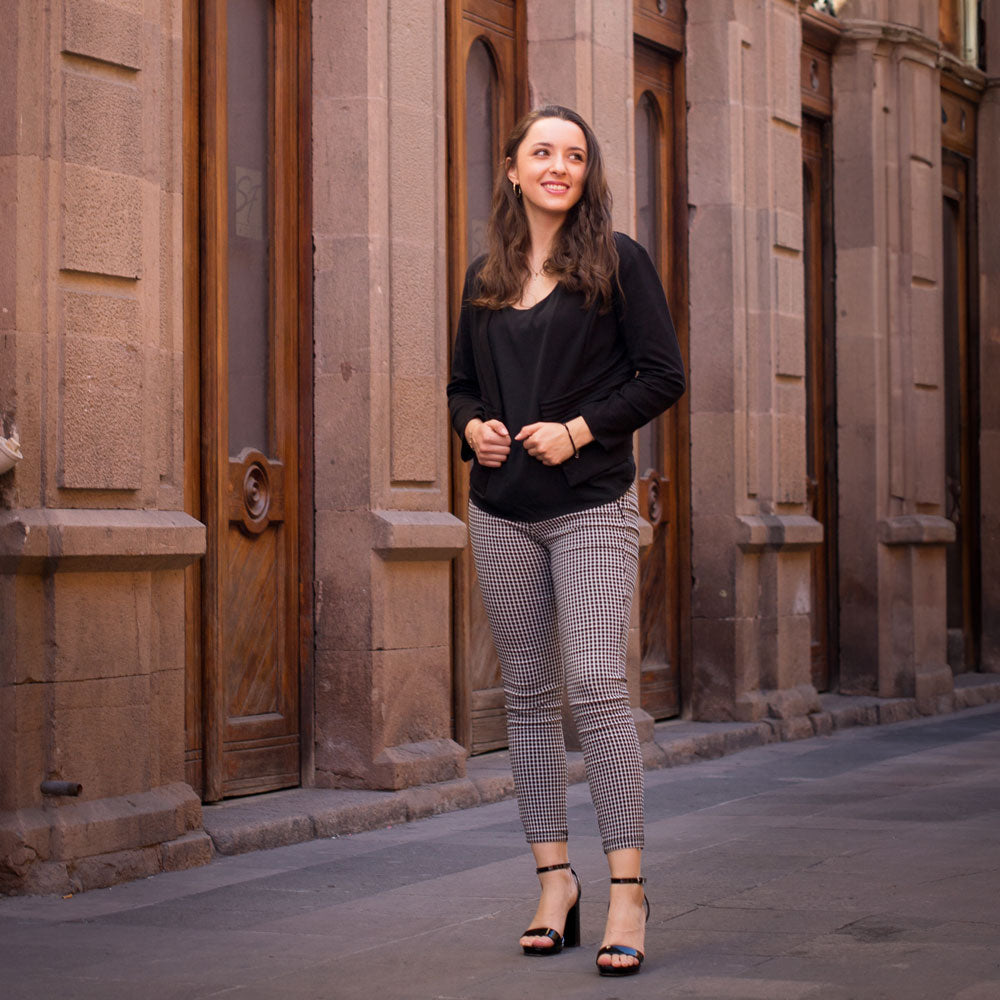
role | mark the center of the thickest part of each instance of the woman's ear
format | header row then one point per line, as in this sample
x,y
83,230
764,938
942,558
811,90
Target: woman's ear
x,y
511,170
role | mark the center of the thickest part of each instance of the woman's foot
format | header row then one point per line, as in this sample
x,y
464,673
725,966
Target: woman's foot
x,y
625,927
560,891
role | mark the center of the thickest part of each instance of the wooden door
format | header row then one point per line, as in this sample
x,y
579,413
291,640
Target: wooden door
x,y
662,453
486,93
244,327
817,215
961,379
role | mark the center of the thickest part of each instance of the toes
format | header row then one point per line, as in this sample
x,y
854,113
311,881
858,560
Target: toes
x,y
537,942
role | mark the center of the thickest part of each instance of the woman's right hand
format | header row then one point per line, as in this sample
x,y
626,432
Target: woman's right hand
x,y
490,441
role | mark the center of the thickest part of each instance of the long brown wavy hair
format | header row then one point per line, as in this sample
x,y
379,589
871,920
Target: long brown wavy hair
x,y
583,257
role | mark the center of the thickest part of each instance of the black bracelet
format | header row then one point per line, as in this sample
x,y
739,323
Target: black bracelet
x,y
576,454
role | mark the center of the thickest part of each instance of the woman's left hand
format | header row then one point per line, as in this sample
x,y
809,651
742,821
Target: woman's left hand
x,y
547,442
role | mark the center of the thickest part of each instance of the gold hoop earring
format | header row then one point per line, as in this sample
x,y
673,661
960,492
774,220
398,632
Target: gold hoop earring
x,y
517,190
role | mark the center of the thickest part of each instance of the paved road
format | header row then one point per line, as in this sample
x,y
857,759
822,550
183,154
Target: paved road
x,y
862,866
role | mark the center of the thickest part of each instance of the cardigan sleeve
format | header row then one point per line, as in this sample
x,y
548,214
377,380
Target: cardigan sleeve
x,y
651,346
464,394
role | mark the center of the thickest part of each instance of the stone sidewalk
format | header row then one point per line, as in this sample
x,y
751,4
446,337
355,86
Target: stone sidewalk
x,y
864,865
283,818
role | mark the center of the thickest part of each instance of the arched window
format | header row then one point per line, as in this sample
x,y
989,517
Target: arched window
x,y
662,444
481,144
647,170
487,90
958,29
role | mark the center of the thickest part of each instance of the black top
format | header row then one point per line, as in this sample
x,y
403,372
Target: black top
x,y
523,488
618,369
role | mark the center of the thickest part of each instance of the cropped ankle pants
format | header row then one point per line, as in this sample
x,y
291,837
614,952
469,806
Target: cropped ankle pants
x,y
558,596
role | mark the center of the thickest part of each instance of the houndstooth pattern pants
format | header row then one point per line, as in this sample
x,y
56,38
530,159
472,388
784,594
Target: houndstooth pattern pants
x,y
558,596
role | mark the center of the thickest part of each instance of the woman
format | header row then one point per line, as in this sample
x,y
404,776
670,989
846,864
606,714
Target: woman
x,y
564,348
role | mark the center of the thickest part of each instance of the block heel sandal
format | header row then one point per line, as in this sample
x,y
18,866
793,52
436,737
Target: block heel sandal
x,y
620,949
570,938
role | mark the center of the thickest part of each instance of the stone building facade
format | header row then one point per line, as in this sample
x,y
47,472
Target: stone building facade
x,y
232,553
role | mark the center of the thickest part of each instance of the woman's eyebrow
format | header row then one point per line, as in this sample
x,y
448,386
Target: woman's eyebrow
x,y
548,145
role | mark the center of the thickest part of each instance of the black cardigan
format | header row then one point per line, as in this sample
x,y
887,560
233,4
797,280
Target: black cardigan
x,y
618,370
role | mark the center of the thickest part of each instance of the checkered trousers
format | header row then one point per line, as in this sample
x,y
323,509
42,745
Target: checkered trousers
x,y
558,595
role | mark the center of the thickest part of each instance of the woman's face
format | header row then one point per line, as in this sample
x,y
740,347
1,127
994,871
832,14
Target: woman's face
x,y
550,165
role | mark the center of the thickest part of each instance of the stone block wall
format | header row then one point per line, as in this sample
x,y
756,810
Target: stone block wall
x,y
887,196
384,537
92,538
751,533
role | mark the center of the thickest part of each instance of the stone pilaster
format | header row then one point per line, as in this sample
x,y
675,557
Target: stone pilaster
x,y
890,365
384,537
93,540
751,535
580,56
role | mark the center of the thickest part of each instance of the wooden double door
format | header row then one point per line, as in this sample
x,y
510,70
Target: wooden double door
x,y
246,325
663,444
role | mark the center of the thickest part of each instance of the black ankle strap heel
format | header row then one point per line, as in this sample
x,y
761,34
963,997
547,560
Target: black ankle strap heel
x,y
620,949
570,938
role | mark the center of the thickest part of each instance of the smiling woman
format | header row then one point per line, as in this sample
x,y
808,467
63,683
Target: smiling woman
x,y
565,347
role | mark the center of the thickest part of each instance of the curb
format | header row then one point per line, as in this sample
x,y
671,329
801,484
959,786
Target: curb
x,y
280,819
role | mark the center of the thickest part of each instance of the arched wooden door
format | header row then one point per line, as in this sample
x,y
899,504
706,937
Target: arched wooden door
x,y
485,94
663,448
816,79
820,413
961,373
246,320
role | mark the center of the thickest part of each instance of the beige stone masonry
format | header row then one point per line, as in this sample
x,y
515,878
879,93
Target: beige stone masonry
x,y
384,537
889,355
751,532
93,540
580,55
67,845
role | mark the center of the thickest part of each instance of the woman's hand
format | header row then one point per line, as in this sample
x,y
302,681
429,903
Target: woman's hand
x,y
490,440
551,443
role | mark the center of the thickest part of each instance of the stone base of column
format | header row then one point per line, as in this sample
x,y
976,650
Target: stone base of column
x,y
71,846
403,766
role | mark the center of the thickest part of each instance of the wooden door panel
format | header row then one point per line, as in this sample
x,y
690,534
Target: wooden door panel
x,y
821,488
496,26
253,619
245,683
961,387
661,449
812,215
